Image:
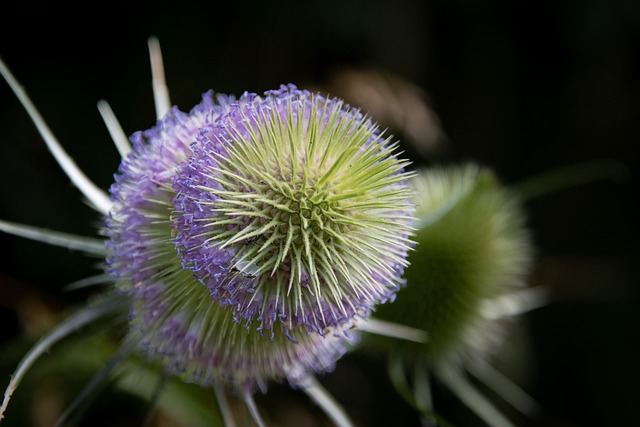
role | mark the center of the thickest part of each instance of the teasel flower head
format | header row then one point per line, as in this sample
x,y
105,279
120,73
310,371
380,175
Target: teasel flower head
x,y
474,247
247,238
293,210
264,210
465,281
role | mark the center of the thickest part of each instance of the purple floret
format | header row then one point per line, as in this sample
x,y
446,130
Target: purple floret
x,y
142,190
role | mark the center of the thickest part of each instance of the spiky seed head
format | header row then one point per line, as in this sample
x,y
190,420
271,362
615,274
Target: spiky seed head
x,y
472,247
303,204
289,208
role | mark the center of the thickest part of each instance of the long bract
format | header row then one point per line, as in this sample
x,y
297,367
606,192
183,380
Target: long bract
x,y
96,196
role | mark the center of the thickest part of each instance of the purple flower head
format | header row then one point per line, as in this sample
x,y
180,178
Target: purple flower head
x,y
293,210
250,233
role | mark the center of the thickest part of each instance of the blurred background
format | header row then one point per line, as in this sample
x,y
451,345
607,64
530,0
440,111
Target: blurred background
x,y
522,87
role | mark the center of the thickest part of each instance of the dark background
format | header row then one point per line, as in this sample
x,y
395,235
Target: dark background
x,y
523,87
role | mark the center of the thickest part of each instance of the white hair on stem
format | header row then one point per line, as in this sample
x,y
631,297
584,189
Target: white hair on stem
x,y
96,196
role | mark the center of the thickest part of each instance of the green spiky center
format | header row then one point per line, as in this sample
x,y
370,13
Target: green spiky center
x,y
315,202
